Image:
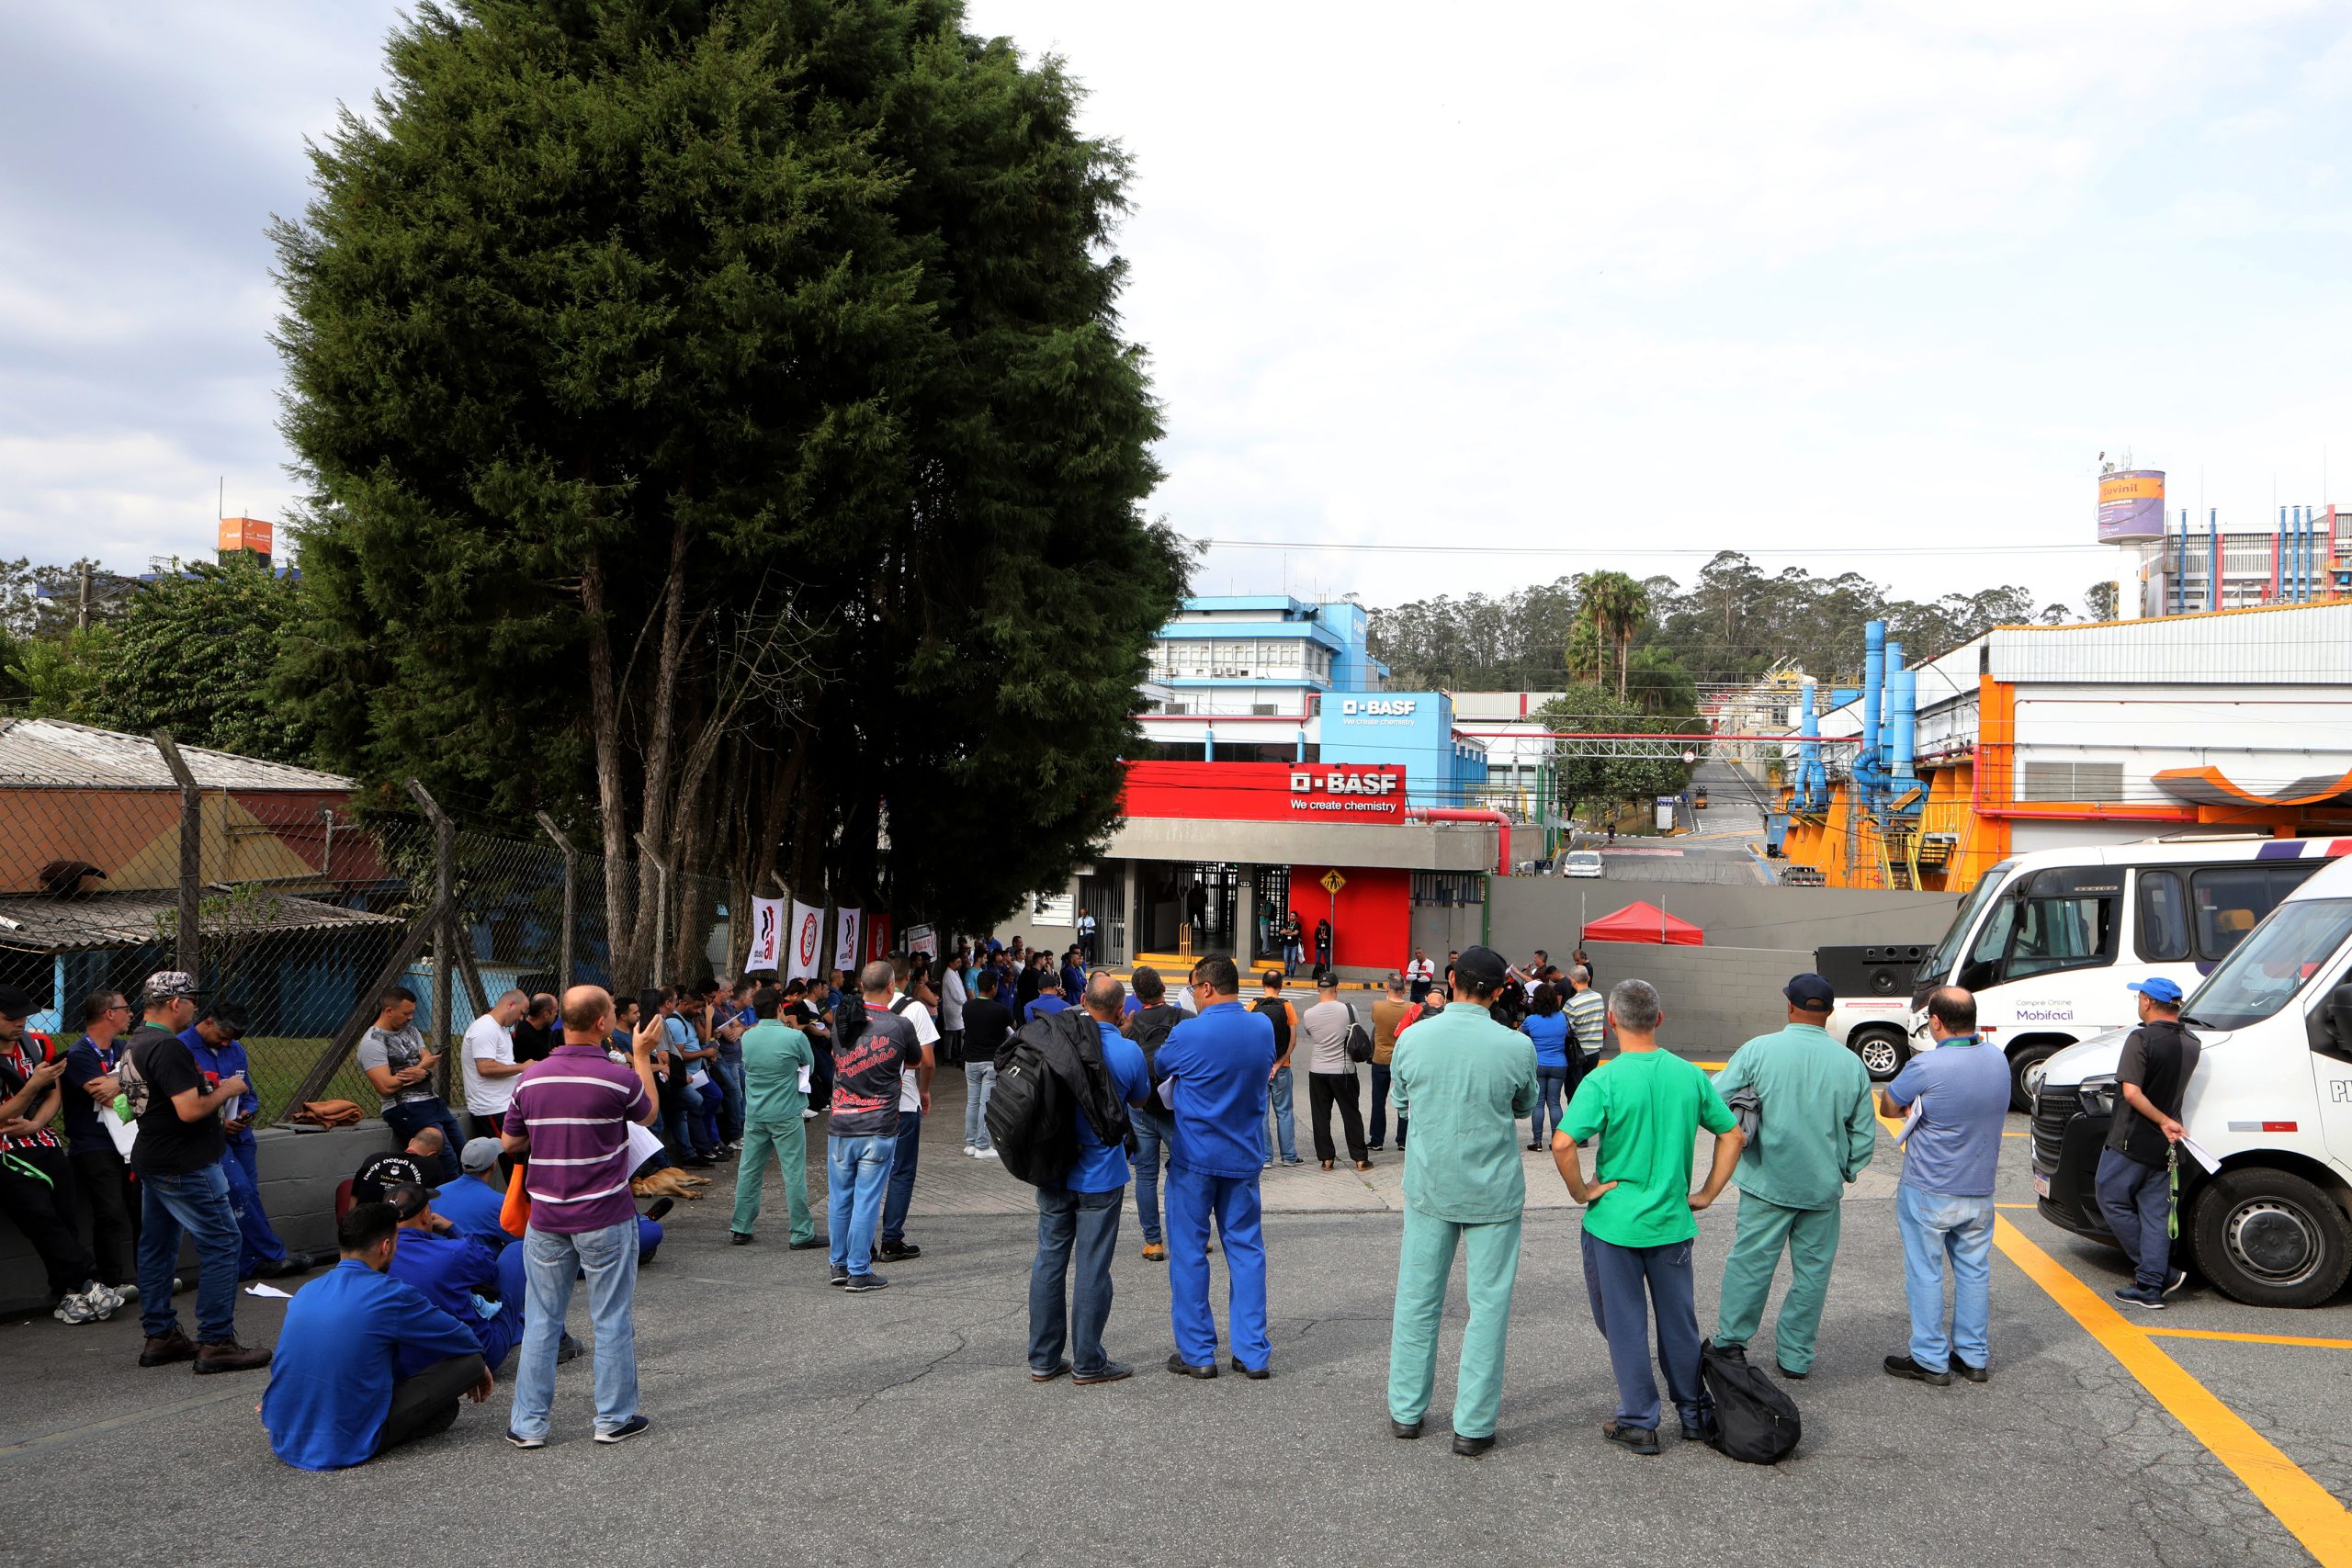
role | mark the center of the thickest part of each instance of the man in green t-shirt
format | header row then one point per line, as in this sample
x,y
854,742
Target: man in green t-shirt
x,y
1465,1080
1646,1106
775,1057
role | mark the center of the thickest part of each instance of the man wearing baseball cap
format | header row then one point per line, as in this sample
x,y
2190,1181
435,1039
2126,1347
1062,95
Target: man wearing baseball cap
x,y
177,1160
1465,1080
1815,1132
2135,1167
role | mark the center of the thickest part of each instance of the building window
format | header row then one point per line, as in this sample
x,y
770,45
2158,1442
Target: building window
x,y
1448,889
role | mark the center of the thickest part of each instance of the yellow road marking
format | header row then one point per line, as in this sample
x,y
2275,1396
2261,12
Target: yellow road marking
x,y
1711,1066
2033,1206
2302,1504
2249,1338
2311,1513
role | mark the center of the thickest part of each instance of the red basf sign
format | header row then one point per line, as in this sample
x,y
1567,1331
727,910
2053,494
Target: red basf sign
x,y
1268,792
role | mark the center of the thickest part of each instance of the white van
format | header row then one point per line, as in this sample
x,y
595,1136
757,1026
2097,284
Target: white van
x,y
2040,938
2271,1104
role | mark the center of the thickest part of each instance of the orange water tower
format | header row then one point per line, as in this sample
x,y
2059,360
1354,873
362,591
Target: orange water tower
x,y
246,535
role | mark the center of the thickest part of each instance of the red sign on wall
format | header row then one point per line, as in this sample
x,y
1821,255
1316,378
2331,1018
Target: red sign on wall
x,y
1268,792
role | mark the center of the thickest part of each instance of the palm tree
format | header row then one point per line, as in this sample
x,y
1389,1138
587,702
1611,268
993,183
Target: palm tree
x,y
1618,605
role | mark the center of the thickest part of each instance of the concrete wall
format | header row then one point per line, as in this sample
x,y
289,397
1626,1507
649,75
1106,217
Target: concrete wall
x,y
1715,997
299,1175
1548,912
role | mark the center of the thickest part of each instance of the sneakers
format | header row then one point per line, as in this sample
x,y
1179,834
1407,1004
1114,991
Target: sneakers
x,y
858,1284
1058,1370
1155,1252
162,1351
568,1349
1640,1439
521,1441
1109,1371
897,1251
92,1303
1904,1367
971,1151
626,1429
813,1243
989,1154
2173,1285
840,1276
2136,1295
228,1355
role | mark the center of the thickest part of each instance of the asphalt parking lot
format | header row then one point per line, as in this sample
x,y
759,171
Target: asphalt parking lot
x,y
800,1425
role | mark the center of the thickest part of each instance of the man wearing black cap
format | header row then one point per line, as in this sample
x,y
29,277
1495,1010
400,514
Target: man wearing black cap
x,y
36,1179
1465,1080
1815,1130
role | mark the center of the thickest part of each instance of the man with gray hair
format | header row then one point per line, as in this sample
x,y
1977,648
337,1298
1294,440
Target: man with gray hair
x,y
863,1138
1646,1108
1587,1012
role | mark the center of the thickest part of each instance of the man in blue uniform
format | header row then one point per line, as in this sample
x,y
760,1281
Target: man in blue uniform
x,y
476,1202
216,1041
458,1276
1219,1062
334,1399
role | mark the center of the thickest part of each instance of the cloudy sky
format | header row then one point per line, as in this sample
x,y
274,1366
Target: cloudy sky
x,y
1573,285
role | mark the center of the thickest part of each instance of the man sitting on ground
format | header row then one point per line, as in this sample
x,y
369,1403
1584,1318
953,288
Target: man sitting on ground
x,y
334,1399
476,1203
419,1165
481,1287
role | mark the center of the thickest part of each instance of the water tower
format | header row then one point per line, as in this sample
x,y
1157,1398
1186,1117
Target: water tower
x,y
2131,512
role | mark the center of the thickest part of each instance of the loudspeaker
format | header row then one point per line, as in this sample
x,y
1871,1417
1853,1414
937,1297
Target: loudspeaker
x,y
1869,971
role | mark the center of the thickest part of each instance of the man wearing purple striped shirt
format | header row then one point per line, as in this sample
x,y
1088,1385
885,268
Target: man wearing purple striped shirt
x,y
569,1116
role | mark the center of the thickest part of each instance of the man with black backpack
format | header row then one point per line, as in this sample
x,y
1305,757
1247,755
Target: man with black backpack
x,y
1077,1215
1155,1129
1282,1122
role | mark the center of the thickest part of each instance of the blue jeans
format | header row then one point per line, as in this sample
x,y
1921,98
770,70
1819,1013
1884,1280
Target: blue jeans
x,y
681,1122
407,1120
550,1261
197,1200
1155,1139
257,1243
1194,1198
980,1082
1628,1286
2136,1201
856,1170
1279,1117
902,1176
1084,1226
729,1077
1936,1226
1552,1083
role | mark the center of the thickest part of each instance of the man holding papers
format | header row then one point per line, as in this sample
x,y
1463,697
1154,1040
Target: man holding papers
x,y
1944,1205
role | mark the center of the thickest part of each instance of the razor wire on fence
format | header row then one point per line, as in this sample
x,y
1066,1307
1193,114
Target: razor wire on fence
x,y
121,856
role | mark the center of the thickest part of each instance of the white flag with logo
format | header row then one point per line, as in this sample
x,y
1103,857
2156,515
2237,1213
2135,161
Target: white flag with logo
x,y
846,934
807,933
767,936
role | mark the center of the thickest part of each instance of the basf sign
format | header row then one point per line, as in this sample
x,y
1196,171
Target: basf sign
x,y
1268,792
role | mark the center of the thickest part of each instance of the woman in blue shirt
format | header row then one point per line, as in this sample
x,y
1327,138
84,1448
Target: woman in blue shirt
x,y
1548,1026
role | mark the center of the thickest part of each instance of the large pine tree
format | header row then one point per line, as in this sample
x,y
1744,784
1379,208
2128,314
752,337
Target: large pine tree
x,y
719,427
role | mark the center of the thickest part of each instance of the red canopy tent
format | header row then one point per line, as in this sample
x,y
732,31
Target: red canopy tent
x,y
1641,921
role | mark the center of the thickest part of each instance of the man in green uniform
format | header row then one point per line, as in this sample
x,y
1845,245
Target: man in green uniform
x,y
775,1054
1465,1080
1815,1131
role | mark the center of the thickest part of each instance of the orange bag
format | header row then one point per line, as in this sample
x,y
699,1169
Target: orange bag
x,y
515,1217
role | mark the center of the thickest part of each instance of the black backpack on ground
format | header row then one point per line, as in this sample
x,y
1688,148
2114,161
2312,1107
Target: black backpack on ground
x,y
1755,1421
1047,1076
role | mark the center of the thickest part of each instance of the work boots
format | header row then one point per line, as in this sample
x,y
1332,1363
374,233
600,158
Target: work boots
x,y
228,1355
163,1349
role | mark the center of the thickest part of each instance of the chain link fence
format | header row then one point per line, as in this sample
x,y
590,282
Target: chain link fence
x,y
122,855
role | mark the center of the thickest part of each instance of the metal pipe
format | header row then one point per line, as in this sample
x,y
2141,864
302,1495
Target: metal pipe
x,y
1471,814
1889,721
1809,753
2213,553
1904,695
1866,762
